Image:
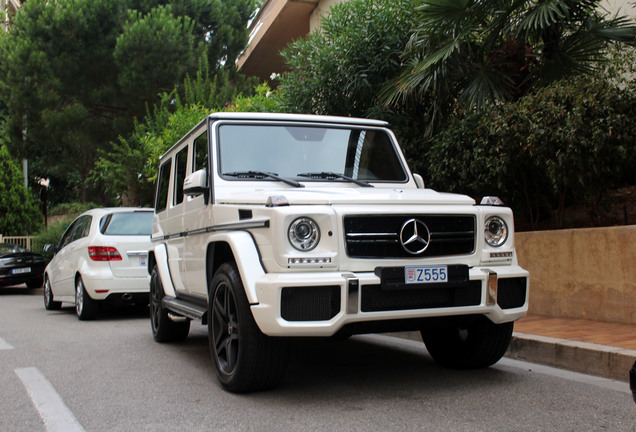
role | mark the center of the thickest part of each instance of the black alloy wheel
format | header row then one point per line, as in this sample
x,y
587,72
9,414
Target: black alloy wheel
x,y
469,343
244,358
164,329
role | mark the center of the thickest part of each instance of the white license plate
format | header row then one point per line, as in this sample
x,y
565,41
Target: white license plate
x,y
425,274
21,270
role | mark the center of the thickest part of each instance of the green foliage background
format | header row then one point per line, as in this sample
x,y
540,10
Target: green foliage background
x,y
19,212
75,75
159,67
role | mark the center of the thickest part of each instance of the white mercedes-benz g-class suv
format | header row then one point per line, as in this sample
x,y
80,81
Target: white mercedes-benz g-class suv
x,y
271,226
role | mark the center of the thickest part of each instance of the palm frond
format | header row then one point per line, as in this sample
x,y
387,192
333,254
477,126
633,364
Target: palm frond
x,y
543,15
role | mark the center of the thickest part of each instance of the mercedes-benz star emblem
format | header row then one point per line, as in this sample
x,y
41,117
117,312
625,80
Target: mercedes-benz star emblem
x,y
415,236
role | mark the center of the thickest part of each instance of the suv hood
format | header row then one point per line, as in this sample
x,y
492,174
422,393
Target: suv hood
x,y
340,196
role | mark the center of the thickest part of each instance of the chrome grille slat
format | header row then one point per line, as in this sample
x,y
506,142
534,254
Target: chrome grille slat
x,y
377,236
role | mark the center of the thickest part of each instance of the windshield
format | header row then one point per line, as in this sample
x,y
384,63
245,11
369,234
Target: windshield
x,y
133,223
308,153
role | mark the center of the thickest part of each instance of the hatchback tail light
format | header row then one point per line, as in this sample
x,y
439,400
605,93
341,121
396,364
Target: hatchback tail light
x,y
103,253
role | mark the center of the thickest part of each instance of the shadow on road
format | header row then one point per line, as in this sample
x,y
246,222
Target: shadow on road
x,y
358,367
20,290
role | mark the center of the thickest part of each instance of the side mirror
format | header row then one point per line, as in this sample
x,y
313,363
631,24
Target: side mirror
x,y
196,184
50,248
419,181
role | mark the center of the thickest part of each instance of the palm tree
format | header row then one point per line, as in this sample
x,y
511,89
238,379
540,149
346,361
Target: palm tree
x,y
476,52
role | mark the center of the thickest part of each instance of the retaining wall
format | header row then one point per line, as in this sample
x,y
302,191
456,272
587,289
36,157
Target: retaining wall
x,y
581,273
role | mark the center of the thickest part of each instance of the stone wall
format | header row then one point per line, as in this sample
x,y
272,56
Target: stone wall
x,y
581,273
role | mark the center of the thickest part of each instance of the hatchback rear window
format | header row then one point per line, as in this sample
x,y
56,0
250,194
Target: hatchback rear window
x,y
132,223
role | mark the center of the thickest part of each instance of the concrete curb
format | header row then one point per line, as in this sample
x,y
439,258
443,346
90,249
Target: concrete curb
x,y
587,358
592,359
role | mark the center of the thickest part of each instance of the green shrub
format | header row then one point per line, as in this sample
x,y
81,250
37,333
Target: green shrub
x,y
53,232
50,235
567,143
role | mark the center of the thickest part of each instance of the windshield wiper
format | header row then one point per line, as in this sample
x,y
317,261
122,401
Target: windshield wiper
x,y
333,176
263,175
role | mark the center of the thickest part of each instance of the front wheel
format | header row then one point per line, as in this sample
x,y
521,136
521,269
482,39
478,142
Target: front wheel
x,y
85,307
164,329
244,358
470,344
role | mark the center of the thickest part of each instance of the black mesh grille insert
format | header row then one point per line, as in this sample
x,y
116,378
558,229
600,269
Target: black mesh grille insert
x,y
375,299
378,236
319,303
511,292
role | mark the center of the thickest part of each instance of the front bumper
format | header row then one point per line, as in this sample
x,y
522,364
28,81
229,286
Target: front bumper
x,y
320,304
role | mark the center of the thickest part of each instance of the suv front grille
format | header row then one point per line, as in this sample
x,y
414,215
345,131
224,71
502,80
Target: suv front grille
x,y
378,236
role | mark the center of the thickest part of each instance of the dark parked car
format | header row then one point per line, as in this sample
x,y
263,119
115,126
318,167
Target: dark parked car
x,y
20,265
632,381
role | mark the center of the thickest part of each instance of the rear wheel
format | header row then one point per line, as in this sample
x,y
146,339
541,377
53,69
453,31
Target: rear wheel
x,y
244,358
85,307
468,344
164,329
49,303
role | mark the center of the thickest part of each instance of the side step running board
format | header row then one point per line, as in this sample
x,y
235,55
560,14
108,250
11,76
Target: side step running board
x,y
187,309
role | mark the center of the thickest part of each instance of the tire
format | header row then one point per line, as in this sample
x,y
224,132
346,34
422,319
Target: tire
x,y
35,283
471,344
244,358
163,328
85,307
49,303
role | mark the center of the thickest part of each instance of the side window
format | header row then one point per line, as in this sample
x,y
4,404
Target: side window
x,y
78,229
66,237
163,182
181,164
82,229
200,152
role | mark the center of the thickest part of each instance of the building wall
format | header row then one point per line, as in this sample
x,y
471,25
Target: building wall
x,y
620,7
581,273
9,8
321,10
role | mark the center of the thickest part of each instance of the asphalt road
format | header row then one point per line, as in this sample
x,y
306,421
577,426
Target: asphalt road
x,y
57,373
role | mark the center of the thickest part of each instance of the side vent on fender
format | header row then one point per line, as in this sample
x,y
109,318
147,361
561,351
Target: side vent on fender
x,y
245,214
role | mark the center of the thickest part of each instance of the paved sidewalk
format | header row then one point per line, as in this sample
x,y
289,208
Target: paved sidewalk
x,y
597,348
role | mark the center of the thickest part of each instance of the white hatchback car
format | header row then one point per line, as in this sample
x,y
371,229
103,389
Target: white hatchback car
x,y
101,256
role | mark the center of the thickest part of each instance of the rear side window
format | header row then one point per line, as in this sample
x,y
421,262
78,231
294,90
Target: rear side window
x,y
83,228
201,152
181,164
133,223
162,186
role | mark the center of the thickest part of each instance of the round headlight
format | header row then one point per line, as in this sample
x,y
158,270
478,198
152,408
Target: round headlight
x,y
304,234
496,231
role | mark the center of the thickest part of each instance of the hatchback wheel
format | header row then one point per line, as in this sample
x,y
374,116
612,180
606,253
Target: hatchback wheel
x,y
49,303
85,307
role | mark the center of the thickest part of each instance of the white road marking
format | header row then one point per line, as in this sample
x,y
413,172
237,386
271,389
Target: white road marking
x,y
4,345
50,406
